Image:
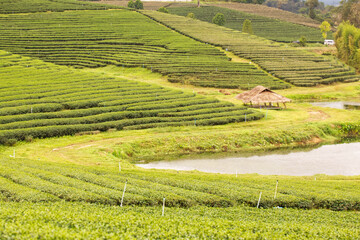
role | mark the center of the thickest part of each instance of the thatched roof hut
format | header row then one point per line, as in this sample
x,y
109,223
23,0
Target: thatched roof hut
x,y
262,95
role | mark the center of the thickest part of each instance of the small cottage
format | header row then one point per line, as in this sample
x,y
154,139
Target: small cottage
x,y
262,97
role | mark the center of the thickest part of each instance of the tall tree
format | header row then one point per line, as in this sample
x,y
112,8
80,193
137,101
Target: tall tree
x,y
247,27
349,10
354,17
325,27
312,4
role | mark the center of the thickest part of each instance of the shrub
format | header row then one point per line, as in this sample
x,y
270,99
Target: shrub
x,y
131,4
219,19
11,142
191,15
138,4
247,27
29,138
303,41
163,10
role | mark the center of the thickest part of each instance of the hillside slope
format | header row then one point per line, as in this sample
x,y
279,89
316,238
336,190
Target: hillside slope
x,y
90,221
37,181
27,6
290,64
270,12
273,29
128,39
41,100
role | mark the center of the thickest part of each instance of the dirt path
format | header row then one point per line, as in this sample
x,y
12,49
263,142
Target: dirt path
x,y
316,115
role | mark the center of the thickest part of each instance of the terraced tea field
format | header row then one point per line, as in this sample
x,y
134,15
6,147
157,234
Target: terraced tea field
x,y
290,64
270,12
40,100
128,39
265,27
82,220
26,6
38,181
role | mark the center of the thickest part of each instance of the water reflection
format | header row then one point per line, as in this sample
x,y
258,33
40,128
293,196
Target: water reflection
x,y
338,105
339,159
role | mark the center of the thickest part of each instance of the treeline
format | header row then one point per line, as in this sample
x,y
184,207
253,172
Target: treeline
x,y
347,40
349,10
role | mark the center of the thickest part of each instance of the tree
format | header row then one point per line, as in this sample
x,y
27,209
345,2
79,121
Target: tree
x,y
163,9
191,15
303,41
312,4
131,4
349,10
325,27
138,4
347,38
247,27
312,13
354,16
219,19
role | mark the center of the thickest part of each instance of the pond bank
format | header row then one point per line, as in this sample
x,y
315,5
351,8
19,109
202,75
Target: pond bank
x,y
182,145
336,159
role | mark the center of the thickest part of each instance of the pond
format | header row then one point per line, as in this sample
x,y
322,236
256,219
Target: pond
x,y
338,105
336,159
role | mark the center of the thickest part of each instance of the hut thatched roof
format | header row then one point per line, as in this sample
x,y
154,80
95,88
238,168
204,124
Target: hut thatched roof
x,y
260,95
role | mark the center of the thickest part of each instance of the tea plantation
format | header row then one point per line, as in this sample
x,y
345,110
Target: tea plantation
x,y
269,28
41,99
47,91
128,39
39,181
89,221
290,64
26,6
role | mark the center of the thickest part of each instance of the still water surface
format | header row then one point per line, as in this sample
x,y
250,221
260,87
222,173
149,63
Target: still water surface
x,y
338,105
337,159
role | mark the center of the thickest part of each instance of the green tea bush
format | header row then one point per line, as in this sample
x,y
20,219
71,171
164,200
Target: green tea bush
x,y
28,6
301,68
163,10
34,181
219,19
269,28
82,220
46,100
98,39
